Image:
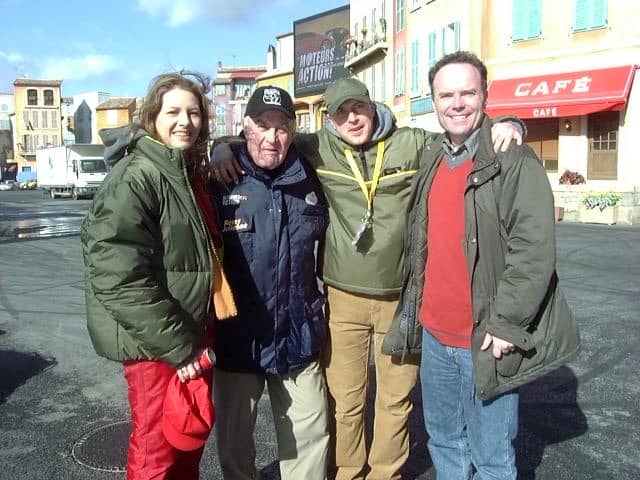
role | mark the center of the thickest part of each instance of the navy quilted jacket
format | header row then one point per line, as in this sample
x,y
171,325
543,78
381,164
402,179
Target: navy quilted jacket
x,y
272,228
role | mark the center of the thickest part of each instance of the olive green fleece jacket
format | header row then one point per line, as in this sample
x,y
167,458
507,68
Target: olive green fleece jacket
x,y
148,265
374,266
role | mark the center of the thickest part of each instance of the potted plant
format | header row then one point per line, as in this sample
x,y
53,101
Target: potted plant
x,y
571,178
383,27
600,207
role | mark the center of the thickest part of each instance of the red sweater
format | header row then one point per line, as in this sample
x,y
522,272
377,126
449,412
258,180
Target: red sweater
x,y
446,298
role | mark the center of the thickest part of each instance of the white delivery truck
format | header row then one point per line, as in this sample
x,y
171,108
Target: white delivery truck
x,y
71,170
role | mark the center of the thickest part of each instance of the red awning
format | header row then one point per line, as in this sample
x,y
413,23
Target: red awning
x,y
561,94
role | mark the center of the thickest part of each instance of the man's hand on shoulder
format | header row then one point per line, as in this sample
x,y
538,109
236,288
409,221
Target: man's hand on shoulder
x,y
224,167
502,133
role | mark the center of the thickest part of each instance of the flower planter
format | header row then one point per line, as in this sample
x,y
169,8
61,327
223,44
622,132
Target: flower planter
x,y
608,216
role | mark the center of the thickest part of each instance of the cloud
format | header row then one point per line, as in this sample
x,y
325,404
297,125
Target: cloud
x,y
11,57
79,68
180,12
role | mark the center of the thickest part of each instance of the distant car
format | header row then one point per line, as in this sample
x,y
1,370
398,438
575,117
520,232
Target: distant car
x,y
29,185
8,185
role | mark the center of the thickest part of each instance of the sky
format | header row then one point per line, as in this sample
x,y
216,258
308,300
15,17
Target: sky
x,y
118,46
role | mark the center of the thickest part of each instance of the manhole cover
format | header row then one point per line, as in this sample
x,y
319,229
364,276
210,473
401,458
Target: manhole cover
x,y
104,448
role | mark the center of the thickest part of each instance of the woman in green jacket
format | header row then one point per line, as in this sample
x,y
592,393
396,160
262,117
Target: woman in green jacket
x,y
151,265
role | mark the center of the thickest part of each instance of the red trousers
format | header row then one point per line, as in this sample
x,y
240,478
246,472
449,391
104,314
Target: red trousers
x,y
150,456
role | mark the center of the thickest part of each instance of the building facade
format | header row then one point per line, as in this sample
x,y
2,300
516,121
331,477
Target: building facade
x,y
6,134
231,90
37,119
568,69
115,112
280,61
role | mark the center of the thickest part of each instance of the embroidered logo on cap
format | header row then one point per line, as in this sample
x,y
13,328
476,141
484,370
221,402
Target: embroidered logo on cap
x,y
271,96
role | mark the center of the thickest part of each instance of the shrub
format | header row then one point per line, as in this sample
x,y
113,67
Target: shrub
x,y
571,178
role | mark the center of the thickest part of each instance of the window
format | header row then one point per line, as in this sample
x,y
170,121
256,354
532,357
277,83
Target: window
x,y
526,19
304,122
34,121
45,118
32,96
45,141
54,140
48,97
542,137
26,169
242,91
374,23
27,142
112,117
415,67
602,161
221,90
443,41
399,80
54,120
589,14
27,123
451,38
374,93
415,3
399,15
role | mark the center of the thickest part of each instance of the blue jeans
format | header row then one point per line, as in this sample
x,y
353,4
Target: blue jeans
x,y
468,438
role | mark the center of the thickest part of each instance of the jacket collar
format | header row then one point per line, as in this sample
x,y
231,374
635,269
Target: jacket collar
x,y
485,164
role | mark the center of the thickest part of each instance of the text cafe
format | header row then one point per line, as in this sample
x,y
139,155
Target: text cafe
x,y
581,121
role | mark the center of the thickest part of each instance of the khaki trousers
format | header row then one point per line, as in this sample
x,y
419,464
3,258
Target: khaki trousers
x,y
299,408
357,324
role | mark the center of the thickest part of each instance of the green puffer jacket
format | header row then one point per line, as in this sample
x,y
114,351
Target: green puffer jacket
x,y
510,249
147,260
374,266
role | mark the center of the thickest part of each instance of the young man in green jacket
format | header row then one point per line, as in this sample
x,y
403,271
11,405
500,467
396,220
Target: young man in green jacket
x,y
365,163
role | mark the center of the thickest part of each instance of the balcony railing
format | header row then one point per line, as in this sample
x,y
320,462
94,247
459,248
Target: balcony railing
x,y
364,53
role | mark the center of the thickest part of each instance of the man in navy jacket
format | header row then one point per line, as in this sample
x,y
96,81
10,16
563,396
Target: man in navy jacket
x,y
272,223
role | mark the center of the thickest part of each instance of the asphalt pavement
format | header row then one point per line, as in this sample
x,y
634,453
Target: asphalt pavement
x,y
63,409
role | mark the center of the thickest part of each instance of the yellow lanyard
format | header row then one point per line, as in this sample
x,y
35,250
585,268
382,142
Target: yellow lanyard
x,y
367,220
377,169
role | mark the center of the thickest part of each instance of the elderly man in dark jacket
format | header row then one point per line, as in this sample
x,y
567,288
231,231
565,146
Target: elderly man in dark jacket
x,y
480,289
272,223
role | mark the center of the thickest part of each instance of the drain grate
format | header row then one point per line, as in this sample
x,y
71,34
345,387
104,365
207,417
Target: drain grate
x,y
104,448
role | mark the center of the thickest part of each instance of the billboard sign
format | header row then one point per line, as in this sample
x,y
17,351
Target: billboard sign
x,y
319,50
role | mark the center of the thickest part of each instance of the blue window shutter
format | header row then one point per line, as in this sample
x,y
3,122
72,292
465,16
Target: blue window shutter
x,y
590,14
535,19
456,26
432,49
415,67
526,19
600,10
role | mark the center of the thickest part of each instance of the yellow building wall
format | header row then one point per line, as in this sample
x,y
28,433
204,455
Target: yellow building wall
x,y
53,131
104,119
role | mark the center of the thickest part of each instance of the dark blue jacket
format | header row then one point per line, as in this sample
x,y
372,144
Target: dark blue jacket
x,y
271,229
